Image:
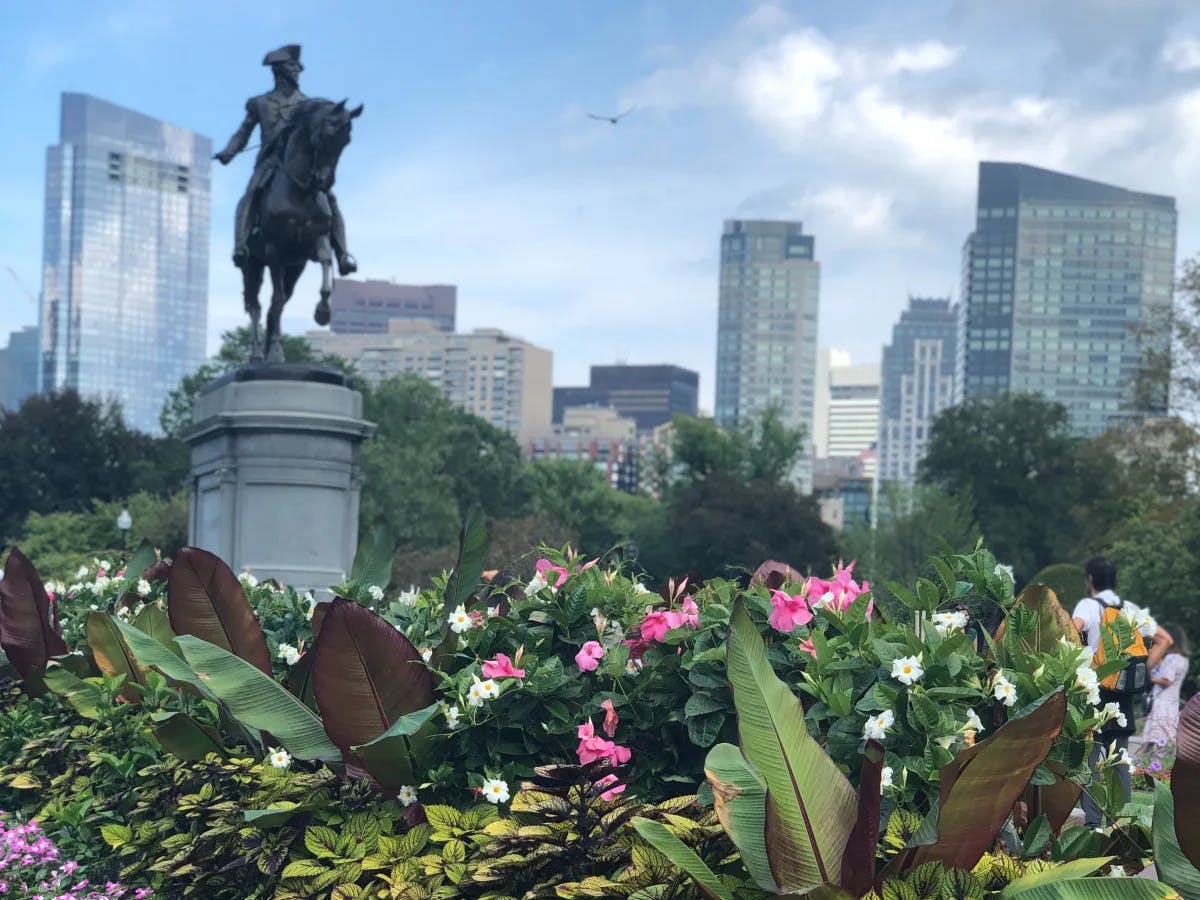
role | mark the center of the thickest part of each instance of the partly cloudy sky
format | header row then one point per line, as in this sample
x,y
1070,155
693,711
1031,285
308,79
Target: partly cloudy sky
x,y
475,163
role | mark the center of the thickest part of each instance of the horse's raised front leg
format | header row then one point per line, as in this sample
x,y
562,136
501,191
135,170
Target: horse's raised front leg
x,y
252,277
325,258
274,339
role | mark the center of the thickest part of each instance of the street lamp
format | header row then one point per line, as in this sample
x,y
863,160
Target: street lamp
x,y
124,522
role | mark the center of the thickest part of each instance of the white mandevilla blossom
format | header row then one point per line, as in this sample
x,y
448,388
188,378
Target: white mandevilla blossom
x,y
100,585
376,592
877,726
907,669
973,723
640,588
490,689
1005,690
407,795
409,597
1085,677
426,654
1007,570
536,584
885,779
143,587
123,612
1112,711
248,580
279,758
452,717
288,654
495,790
1116,872
1121,757
459,620
82,573
312,605
633,666
946,622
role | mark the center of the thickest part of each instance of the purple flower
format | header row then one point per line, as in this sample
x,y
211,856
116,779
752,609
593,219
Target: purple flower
x,y
1156,766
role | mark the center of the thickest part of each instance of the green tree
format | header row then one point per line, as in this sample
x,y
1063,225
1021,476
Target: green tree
x,y
576,495
765,449
1015,456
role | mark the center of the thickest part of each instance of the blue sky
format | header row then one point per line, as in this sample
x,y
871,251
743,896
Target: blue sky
x,y
475,163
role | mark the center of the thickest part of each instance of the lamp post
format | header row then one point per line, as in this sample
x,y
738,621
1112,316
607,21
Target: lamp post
x,y
124,522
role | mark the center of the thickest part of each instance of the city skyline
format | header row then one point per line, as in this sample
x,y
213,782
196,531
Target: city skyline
x,y
542,216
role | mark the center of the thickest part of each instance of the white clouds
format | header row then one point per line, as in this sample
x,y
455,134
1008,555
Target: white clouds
x,y
1182,54
791,84
927,56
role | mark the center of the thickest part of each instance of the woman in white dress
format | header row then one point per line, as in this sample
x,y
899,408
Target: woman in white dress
x,y
1158,735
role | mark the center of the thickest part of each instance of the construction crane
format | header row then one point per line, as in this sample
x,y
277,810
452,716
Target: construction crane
x,y
28,293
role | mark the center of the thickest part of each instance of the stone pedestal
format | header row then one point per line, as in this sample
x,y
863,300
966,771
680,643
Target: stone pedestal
x,y
276,472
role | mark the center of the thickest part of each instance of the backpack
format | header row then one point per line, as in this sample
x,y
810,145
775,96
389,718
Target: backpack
x,y
1135,677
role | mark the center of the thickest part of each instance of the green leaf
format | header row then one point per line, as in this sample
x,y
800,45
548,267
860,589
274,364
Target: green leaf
x,y
112,654
140,560
84,696
321,841
812,808
116,835
700,704
1053,622
472,552
155,623
258,700
184,737
666,843
391,752
280,814
373,561
1076,868
740,800
154,654
1171,864
1036,838
1185,780
1090,889
703,730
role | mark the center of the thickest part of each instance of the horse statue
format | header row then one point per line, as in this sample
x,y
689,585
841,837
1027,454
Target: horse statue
x,y
293,218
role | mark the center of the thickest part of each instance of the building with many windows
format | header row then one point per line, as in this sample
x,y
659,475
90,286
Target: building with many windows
x,y
496,376
768,302
1058,275
846,409
19,363
124,311
369,307
918,383
650,395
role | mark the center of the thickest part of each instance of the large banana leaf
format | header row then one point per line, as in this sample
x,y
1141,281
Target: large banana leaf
x,y
472,553
1169,862
979,788
858,863
26,634
258,700
810,804
155,623
392,752
83,695
140,560
661,839
373,561
206,600
1092,889
366,677
186,738
1185,780
113,656
740,799
1053,622
153,654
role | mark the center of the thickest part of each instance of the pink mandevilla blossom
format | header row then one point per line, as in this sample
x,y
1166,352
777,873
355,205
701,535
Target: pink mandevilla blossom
x,y
610,718
501,667
658,622
655,626
589,656
592,747
807,646
544,567
612,792
787,611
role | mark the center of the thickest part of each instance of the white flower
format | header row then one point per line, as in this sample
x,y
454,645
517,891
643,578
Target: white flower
x,y
495,790
409,597
104,565
407,795
248,580
452,717
947,741
490,689
640,588
459,620
973,723
493,611
633,666
426,654
143,587
1007,570
278,758
123,612
288,654
946,622
1004,690
101,583
137,609
376,593
907,669
94,608
1085,677
876,727
82,573
1121,757
1113,711
537,583
312,605
1116,872
885,779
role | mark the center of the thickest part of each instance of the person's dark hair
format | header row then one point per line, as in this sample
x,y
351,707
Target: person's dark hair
x,y
1102,572
1181,646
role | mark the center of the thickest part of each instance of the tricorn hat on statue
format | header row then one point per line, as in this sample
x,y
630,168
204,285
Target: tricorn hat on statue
x,y
288,53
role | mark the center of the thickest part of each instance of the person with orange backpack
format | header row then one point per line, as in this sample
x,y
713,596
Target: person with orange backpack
x,y
1096,616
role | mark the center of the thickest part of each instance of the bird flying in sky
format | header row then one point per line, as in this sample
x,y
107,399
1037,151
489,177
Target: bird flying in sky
x,y
611,119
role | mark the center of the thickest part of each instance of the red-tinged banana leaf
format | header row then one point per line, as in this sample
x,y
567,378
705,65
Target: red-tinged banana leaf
x,y
366,676
158,571
858,862
1054,801
810,804
1054,622
206,600
113,656
26,635
318,617
980,786
1185,781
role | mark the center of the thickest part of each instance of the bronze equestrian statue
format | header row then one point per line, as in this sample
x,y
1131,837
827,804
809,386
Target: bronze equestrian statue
x,y
289,215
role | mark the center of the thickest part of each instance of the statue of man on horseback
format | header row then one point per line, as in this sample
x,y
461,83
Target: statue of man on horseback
x,y
289,214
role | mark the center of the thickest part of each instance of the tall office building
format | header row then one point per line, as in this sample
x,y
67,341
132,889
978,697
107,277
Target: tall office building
x,y
494,375
918,383
845,409
125,258
19,367
368,307
767,327
650,395
1057,276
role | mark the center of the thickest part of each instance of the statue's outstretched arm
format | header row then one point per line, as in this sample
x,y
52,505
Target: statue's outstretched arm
x,y
241,137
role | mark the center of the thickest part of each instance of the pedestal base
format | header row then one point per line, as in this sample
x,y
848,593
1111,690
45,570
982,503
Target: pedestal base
x,y
275,473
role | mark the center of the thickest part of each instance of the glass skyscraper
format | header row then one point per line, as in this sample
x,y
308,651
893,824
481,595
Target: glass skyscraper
x,y
918,383
125,259
767,327
1058,275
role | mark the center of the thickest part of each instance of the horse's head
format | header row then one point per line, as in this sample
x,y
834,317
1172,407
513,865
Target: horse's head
x,y
328,135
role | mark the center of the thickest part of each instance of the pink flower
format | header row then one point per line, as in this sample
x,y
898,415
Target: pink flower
x,y
592,748
656,625
476,618
807,646
787,611
637,647
609,794
589,656
690,612
610,718
501,667
585,731
544,566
